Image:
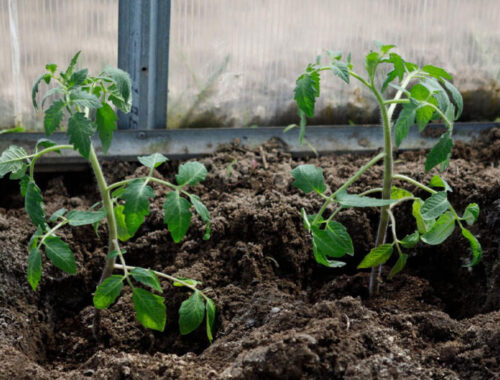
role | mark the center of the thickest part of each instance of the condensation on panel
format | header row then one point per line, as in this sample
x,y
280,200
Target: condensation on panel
x,y
36,32
234,62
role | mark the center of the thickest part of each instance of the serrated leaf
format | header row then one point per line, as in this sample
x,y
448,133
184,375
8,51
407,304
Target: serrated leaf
x,y
405,120
153,160
108,291
477,251
354,200
57,214
398,62
378,255
435,205
456,96
80,130
306,92
398,267
60,254
398,193
177,215
146,277
136,197
440,152
191,313
121,224
437,181
384,48
84,99
333,241
105,119
411,240
436,72
441,230
150,309
210,318
81,218
67,74
438,93
34,267
20,174
424,113
53,117
78,77
309,178
191,173
341,70
200,208
52,67
121,90
471,213
33,204
12,160
391,75
51,92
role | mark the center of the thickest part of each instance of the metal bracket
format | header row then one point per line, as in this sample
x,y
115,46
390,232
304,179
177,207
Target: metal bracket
x,y
143,46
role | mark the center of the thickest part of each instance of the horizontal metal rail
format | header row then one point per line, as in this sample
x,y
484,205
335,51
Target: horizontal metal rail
x,y
186,143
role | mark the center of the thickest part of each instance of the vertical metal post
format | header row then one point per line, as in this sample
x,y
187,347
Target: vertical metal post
x,y
143,44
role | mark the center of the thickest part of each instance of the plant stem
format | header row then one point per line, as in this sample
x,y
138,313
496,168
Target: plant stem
x,y
386,187
108,205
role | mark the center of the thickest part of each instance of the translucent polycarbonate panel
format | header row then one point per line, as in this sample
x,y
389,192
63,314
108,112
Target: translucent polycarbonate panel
x,y
235,62
36,32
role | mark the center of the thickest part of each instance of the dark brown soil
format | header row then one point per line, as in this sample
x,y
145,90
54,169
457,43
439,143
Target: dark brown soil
x,y
279,314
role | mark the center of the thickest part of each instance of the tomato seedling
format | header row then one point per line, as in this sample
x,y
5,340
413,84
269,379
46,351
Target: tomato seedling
x,y
425,94
87,102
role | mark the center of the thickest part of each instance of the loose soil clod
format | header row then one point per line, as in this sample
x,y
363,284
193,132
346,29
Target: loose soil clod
x,y
280,315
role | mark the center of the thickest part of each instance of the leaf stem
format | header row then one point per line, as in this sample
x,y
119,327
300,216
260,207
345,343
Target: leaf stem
x,y
51,231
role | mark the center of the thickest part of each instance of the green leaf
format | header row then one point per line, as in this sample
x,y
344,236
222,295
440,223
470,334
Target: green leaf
x,y
378,255
121,224
191,173
59,253
45,143
52,67
391,75
306,92
146,277
53,117
153,161
23,185
436,72
423,113
384,48
441,230
113,254
437,181
411,240
309,178
438,93
82,98
477,251
78,77
34,90
341,70
12,160
372,61
200,208
471,213
354,200
456,96
210,318
150,309
80,130
66,75
121,90
320,258
34,267
57,214
398,267
405,120
177,215
81,218
435,205
108,291
20,174
34,204
399,65
333,241
422,225
398,193
105,119
191,313
136,198
189,281
440,152
51,92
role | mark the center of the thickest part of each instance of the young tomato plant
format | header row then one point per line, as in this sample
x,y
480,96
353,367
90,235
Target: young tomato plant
x,y
87,103
425,94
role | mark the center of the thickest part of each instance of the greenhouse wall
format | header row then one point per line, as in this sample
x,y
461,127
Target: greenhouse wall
x,y
234,63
